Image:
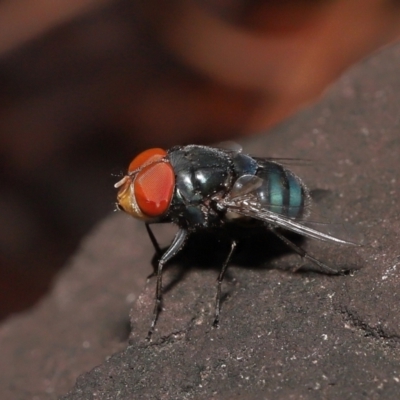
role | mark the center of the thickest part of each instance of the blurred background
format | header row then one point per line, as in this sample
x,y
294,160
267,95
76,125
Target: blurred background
x,y
86,84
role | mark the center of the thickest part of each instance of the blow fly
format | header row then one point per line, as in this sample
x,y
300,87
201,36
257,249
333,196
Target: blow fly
x,y
200,187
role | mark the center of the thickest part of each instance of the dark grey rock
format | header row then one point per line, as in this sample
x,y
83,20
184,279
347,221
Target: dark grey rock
x,y
282,335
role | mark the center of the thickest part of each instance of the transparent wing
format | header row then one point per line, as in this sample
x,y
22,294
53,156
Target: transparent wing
x,y
299,162
232,147
229,146
242,200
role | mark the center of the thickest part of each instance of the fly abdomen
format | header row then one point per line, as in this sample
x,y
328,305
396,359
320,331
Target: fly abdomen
x,y
281,192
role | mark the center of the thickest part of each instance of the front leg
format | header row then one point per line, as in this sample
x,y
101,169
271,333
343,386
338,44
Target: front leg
x,y
176,245
156,246
153,239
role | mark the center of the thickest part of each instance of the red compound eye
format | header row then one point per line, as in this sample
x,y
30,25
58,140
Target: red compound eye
x,y
154,186
145,157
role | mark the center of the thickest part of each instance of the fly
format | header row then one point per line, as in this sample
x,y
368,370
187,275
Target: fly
x,y
200,187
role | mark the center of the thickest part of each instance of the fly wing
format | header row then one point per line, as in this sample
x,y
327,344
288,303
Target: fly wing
x,y
243,200
229,146
290,162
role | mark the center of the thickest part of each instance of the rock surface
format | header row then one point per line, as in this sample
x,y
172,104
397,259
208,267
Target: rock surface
x,y
282,335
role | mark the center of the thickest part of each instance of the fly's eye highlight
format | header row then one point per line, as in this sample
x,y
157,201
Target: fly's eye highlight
x,y
146,157
154,186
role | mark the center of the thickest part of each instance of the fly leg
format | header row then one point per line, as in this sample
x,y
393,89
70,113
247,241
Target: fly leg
x,y
176,245
219,282
156,246
302,253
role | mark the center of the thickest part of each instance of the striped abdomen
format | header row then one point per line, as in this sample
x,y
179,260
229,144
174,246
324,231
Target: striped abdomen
x,y
282,192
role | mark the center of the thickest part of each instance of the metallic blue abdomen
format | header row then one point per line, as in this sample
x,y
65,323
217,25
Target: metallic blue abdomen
x,y
282,192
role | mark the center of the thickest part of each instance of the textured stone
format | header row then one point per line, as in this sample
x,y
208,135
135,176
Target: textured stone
x,y
282,335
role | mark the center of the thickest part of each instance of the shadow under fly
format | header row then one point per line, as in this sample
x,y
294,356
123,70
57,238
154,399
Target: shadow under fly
x,y
255,246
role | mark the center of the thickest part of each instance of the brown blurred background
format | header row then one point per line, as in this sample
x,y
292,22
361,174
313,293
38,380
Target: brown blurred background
x,y
85,85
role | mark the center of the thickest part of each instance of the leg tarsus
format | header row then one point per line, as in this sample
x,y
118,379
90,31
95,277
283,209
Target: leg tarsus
x,y
219,283
157,303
